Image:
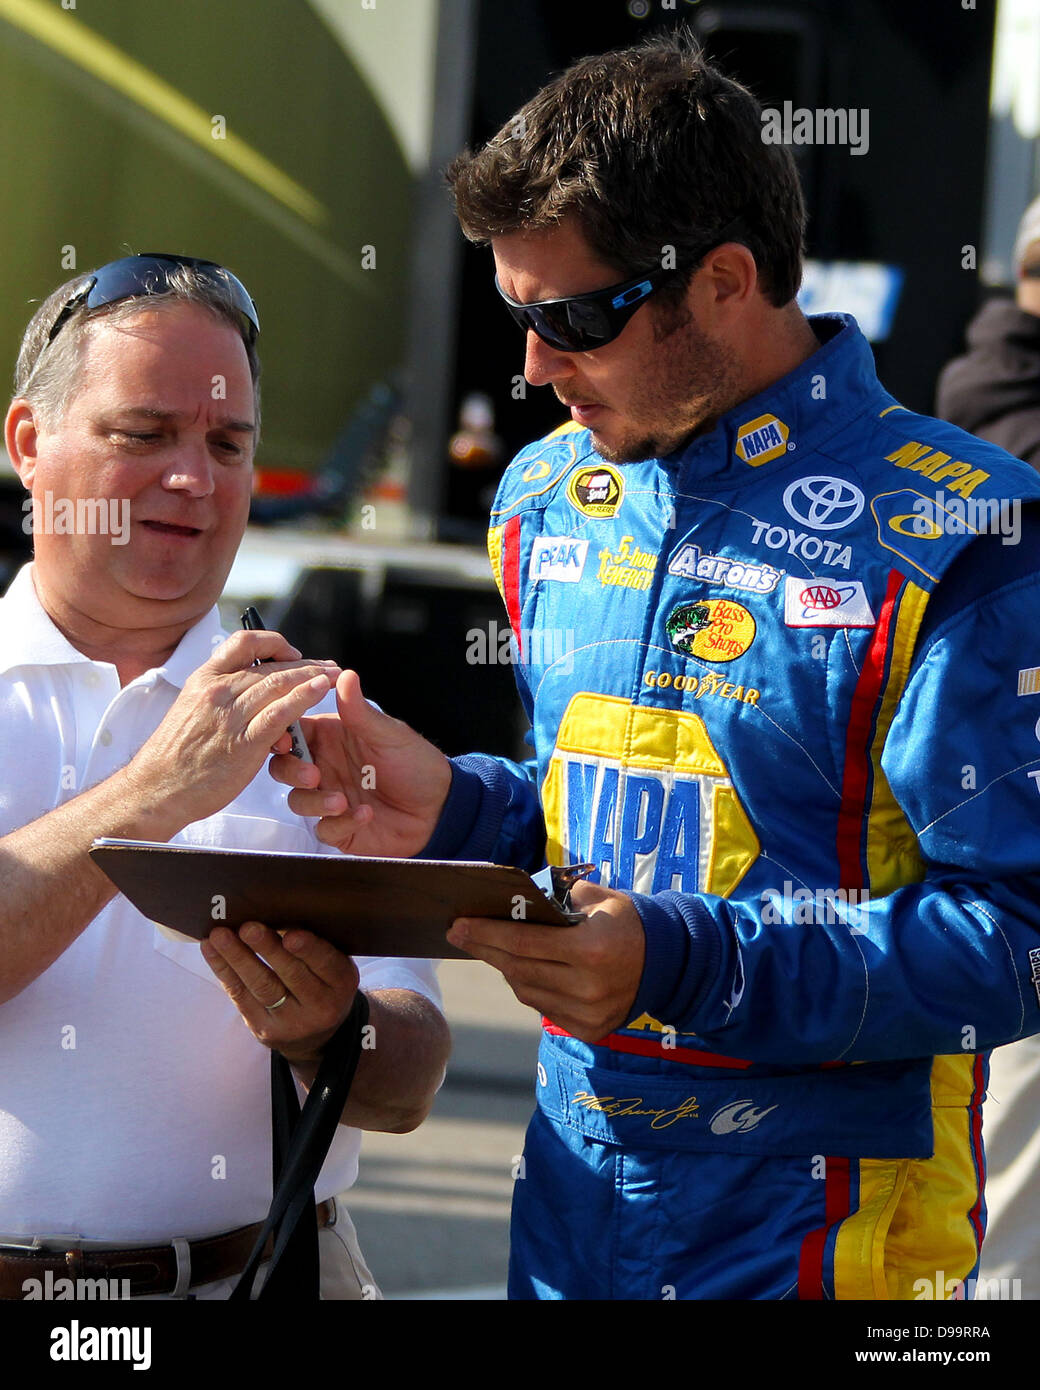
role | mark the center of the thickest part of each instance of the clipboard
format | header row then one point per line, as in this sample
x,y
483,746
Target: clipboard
x,y
368,907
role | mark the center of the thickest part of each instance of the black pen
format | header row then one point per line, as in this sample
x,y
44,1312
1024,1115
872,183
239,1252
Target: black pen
x,y
252,622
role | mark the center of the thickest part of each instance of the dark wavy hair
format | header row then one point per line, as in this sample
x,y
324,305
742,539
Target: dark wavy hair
x,y
650,147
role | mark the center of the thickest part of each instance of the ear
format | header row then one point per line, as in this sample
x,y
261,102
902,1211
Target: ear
x,y
21,437
731,274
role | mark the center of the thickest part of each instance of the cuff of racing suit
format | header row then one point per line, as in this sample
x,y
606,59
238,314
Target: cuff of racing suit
x,y
470,822
683,956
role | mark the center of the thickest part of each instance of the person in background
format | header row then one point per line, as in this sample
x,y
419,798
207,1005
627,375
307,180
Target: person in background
x,y
993,390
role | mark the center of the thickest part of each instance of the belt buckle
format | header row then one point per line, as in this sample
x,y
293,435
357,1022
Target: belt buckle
x,y
56,1244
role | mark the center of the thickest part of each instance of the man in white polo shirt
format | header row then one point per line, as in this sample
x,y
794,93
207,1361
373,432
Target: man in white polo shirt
x,y
134,1104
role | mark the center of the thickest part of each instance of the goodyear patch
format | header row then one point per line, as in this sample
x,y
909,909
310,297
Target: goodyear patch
x,y
1029,681
713,628
596,490
762,439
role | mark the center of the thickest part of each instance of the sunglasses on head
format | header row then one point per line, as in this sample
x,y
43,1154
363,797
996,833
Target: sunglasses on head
x,y
583,322
135,276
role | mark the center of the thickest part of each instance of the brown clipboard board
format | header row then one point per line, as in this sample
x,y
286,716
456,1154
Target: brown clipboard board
x,y
367,907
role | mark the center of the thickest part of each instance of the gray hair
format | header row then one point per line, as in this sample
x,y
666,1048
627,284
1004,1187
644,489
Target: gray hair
x,y
47,373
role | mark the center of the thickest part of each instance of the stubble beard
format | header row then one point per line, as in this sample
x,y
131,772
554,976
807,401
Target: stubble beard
x,y
699,386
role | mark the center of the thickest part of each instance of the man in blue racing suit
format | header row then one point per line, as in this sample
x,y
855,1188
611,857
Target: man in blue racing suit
x,y
772,633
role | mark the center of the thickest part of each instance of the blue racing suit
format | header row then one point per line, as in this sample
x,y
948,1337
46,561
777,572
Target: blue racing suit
x,y
784,688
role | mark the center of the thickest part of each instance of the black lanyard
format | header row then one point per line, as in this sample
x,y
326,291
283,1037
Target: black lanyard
x,y
300,1141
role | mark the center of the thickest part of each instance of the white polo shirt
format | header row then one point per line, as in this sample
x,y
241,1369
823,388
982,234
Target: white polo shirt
x,y
134,1102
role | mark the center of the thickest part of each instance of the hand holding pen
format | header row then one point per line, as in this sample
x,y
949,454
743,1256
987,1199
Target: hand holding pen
x,y
252,622
231,714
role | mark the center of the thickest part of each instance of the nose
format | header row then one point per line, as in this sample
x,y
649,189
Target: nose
x,y
192,471
545,364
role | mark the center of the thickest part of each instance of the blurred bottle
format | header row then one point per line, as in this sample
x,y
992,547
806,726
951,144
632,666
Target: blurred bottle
x,y
475,457
475,444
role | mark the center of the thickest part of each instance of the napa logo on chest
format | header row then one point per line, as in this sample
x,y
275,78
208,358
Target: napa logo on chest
x,y
643,794
762,439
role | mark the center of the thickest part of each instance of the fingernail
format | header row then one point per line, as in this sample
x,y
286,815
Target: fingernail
x,y
252,931
319,683
332,803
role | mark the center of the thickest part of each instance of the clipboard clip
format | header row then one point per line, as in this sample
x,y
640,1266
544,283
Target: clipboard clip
x,y
556,882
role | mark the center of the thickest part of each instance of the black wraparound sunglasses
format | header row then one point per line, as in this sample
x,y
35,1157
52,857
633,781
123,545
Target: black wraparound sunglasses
x,y
149,273
583,322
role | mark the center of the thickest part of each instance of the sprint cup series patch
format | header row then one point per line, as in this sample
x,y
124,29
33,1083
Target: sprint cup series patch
x,y
826,603
596,491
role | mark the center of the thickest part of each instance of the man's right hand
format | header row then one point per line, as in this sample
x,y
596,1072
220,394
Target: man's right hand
x,y
224,723
212,743
378,786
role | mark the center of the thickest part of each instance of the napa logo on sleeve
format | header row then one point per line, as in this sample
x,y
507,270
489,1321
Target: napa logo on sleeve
x,y
762,439
596,490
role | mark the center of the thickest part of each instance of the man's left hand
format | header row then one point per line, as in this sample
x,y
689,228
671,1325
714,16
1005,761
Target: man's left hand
x,y
584,978
315,982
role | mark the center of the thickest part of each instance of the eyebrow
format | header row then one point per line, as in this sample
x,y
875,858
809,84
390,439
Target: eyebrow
x,y
144,412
